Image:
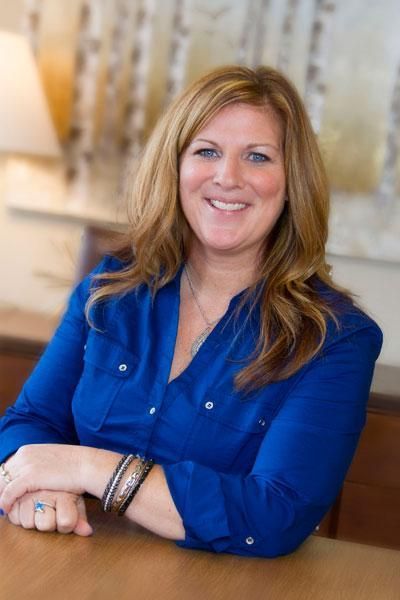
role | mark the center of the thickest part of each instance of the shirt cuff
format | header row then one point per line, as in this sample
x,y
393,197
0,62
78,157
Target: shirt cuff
x,y
198,496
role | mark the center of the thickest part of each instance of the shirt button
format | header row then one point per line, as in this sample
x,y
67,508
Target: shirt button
x,y
262,422
152,410
209,405
249,540
123,367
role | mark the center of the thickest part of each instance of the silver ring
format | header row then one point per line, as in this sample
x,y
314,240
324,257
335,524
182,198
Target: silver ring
x,y
5,474
39,506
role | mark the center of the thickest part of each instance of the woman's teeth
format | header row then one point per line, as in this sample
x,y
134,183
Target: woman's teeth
x,y
227,205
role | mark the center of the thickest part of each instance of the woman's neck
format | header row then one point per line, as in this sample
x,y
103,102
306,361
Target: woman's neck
x,y
226,274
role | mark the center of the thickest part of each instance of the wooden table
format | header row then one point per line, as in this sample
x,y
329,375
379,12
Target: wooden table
x,y
122,561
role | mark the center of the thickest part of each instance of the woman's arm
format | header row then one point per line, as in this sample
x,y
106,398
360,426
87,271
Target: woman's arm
x,y
153,506
297,474
300,466
42,415
42,412
79,469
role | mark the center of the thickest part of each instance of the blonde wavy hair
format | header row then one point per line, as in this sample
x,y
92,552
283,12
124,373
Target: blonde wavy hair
x,y
293,314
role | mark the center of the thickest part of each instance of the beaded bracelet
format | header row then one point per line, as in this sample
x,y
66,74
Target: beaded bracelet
x,y
115,479
148,465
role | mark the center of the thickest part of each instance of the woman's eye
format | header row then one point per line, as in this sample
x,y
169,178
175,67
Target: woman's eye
x,y
207,153
258,157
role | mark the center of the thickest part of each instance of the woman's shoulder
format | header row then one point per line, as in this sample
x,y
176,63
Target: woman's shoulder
x,y
109,264
349,317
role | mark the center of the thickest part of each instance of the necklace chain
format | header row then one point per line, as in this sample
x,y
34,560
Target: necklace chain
x,y
200,339
203,314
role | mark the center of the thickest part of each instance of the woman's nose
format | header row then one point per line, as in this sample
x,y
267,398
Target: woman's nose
x,y
228,173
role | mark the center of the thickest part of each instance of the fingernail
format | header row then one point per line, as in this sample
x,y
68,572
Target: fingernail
x,y
2,513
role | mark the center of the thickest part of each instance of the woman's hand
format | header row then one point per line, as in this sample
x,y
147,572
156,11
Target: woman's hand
x,y
67,516
78,469
34,467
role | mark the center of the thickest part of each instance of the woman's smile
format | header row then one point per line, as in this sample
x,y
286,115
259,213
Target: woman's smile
x,y
225,205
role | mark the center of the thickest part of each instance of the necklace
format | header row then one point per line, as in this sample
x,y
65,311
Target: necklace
x,y
200,339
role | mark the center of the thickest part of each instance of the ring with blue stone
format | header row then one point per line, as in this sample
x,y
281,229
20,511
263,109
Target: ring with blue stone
x,y
40,506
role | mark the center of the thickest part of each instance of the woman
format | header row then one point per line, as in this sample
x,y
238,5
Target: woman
x,y
217,345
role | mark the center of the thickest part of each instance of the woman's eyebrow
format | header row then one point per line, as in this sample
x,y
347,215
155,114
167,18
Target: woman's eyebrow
x,y
262,144
248,146
203,140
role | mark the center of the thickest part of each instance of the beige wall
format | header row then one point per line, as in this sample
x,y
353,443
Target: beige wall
x,y
10,13
37,258
377,285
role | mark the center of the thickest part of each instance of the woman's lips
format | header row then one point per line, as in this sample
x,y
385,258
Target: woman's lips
x,y
226,206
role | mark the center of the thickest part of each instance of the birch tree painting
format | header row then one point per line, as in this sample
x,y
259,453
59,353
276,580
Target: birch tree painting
x,y
31,21
320,48
179,49
81,146
245,42
253,33
287,35
260,32
388,188
131,57
121,30
135,121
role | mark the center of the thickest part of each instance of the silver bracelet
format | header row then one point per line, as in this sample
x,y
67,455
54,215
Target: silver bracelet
x,y
129,484
114,482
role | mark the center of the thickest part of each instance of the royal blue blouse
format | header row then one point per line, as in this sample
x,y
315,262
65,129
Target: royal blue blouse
x,y
249,474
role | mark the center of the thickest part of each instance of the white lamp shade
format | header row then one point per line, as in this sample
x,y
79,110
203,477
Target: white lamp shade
x,y
25,122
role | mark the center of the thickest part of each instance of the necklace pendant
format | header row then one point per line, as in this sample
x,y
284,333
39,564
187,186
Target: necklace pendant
x,y
199,341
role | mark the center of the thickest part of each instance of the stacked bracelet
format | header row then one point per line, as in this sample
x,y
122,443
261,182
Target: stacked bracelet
x,y
130,483
147,465
114,482
119,503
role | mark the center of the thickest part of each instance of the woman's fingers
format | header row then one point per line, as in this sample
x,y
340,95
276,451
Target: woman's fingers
x,y
14,490
23,512
71,514
13,515
44,513
26,512
46,510
82,526
67,512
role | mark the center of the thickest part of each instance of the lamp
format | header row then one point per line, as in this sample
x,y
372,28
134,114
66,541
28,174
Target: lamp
x,y
26,128
25,122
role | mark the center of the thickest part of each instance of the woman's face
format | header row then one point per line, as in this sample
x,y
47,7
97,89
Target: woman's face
x,y
232,180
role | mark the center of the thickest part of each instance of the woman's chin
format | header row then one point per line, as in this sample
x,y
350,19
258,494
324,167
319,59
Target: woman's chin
x,y
226,246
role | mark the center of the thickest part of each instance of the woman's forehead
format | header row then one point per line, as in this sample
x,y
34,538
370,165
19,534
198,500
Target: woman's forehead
x,y
244,121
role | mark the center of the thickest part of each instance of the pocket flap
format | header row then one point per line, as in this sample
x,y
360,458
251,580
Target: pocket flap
x,y
252,416
106,354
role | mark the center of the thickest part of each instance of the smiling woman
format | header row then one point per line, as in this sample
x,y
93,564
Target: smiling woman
x,y
232,182
209,380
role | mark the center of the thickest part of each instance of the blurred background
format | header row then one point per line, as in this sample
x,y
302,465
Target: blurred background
x,y
83,82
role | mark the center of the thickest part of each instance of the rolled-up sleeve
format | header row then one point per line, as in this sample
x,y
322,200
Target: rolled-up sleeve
x,y
300,466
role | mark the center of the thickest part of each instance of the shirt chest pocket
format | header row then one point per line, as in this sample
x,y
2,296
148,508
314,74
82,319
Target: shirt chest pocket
x,y
107,365
227,432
